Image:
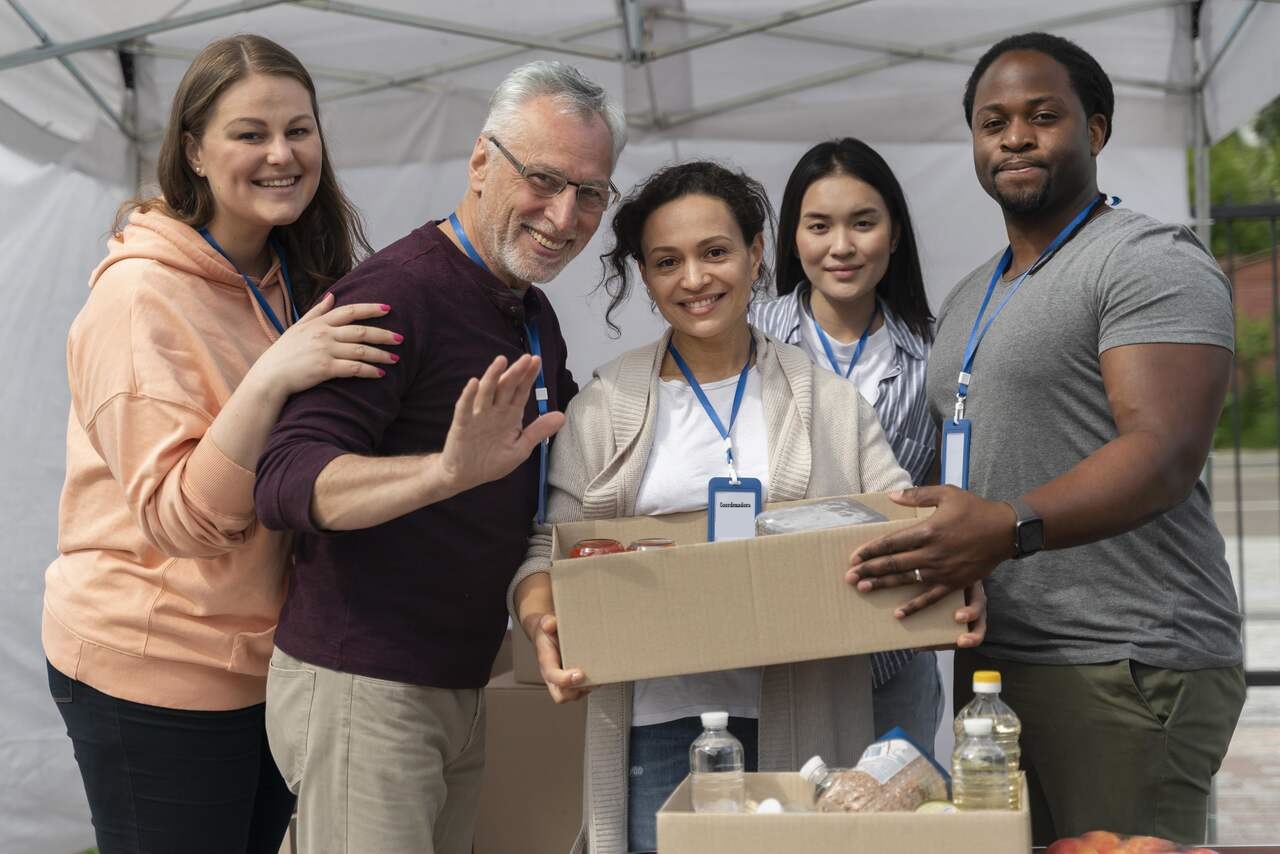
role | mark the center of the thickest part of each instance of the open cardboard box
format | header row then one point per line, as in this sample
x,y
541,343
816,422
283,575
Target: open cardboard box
x,y
682,831
715,606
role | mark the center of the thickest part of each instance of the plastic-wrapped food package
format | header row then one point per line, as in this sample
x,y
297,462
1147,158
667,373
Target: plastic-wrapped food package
x,y
832,513
893,775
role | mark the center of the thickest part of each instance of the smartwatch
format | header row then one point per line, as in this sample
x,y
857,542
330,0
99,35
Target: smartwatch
x,y
1028,531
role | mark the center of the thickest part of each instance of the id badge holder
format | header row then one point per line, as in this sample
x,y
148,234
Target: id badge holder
x,y
732,508
956,436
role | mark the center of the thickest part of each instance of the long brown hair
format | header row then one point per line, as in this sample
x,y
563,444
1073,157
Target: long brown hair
x,y
324,242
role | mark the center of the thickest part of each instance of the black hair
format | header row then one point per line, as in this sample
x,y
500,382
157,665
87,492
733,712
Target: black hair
x,y
744,196
902,286
1090,83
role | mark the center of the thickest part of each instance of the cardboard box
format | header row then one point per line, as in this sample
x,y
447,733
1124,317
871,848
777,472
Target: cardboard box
x,y
531,798
714,606
682,831
523,658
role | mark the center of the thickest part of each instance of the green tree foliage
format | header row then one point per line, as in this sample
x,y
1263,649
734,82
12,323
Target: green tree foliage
x,y
1254,389
1244,168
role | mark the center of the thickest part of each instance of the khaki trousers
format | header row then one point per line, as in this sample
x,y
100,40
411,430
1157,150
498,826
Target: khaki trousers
x,y
378,766
1117,746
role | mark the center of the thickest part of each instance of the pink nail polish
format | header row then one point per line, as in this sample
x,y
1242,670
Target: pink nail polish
x,y
398,337
394,357
381,372
385,307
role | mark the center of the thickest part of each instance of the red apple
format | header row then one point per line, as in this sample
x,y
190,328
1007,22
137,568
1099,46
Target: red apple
x,y
1102,841
1147,845
1072,845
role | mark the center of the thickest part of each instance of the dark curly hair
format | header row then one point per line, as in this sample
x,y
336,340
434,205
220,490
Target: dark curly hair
x,y
744,196
1090,83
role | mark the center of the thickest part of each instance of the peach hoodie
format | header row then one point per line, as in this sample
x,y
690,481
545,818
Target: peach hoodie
x,y
166,589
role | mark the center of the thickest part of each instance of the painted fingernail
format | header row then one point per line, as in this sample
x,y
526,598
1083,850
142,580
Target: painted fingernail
x,y
394,357
385,307
381,372
397,336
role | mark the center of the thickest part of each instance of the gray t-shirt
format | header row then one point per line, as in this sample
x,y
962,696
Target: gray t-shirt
x,y
1161,593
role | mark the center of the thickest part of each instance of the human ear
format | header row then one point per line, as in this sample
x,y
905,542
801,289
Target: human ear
x,y
191,150
478,165
1097,133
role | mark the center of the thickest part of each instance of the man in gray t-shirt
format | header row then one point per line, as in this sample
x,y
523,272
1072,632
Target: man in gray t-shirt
x,y
1091,401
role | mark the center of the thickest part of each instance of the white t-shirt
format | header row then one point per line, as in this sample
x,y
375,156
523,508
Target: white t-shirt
x,y
873,364
688,452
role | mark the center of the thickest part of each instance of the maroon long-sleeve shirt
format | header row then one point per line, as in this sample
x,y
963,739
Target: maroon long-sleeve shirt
x,y
421,598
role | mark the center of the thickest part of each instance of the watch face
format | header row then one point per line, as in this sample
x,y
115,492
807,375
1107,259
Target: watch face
x,y
1030,537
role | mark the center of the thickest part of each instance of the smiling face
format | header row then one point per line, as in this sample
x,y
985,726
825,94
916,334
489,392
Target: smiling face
x,y
527,237
261,154
845,238
699,268
1033,145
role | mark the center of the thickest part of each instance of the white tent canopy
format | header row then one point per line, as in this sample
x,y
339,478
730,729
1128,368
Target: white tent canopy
x,y
403,85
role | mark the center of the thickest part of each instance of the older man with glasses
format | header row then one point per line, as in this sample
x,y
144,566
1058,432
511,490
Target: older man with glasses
x,y
412,494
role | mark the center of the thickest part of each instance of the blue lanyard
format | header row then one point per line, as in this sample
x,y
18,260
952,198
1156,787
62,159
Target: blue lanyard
x,y
257,294
711,410
857,351
534,338
979,330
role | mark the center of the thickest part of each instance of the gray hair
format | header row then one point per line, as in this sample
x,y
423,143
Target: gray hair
x,y
564,83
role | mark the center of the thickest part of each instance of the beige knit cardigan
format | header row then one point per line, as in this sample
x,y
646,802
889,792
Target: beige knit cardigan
x,y
597,462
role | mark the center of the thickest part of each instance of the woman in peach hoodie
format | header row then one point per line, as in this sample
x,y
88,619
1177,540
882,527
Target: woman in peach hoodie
x,y
159,610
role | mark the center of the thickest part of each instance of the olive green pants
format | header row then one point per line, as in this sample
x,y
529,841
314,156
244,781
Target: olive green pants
x,y
1118,746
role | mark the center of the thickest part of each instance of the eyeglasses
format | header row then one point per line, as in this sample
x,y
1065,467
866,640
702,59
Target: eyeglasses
x,y
591,196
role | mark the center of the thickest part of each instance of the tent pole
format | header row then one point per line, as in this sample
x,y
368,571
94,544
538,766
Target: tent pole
x,y
447,25
848,72
1199,147
55,50
120,121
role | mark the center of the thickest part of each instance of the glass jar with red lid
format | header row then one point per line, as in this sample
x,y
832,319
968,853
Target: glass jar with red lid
x,y
595,546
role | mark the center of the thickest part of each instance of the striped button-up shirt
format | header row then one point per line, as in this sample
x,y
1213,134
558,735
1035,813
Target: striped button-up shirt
x,y
900,403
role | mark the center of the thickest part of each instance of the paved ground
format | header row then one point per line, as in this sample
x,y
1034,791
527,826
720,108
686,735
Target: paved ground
x,y
1248,785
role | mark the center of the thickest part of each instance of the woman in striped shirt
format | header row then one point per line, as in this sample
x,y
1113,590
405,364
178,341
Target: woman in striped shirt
x,y
851,295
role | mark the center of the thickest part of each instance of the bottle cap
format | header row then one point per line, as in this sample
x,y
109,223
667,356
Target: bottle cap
x,y
813,769
986,682
715,720
977,726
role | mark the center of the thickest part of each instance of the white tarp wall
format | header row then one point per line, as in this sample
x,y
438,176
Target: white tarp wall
x,y
64,168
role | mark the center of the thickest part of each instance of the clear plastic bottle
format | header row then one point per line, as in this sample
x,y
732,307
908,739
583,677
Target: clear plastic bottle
x,y
1007,729
716,766
822,778
980,770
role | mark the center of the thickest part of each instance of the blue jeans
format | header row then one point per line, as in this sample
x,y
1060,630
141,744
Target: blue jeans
x,y
912,699
659,756
162,780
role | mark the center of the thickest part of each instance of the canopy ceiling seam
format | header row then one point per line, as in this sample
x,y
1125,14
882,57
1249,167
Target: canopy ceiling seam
x,y
1226,43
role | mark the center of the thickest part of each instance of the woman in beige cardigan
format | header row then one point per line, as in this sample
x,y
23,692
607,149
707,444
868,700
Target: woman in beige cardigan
x,y
636,442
